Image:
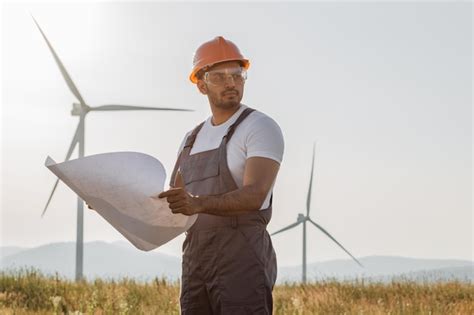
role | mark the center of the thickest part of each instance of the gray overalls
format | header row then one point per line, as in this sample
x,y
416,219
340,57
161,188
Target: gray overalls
x,y
229,265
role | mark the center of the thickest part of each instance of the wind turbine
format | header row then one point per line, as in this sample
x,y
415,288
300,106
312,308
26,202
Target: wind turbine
x,y
81,109
303,219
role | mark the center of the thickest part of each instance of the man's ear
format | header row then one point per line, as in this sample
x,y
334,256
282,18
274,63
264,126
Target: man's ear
x,y
202,87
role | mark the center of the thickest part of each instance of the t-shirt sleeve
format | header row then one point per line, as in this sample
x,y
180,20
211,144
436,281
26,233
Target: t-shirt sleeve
x,y
265,139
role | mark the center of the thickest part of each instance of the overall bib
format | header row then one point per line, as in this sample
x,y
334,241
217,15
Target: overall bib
x,y
229,264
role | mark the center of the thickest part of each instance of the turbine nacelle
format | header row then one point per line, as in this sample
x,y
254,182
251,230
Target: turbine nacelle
x,y
301,217
78,109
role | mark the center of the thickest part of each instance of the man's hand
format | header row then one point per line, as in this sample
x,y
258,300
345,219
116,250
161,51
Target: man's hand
x,y
181,201
259,175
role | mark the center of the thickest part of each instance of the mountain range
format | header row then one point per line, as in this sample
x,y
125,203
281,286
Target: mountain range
x,y
120,259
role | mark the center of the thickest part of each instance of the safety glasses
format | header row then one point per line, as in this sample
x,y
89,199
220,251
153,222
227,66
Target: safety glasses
x,y
219,77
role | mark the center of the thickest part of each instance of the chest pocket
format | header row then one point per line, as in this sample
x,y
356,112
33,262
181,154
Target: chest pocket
x,y
200,166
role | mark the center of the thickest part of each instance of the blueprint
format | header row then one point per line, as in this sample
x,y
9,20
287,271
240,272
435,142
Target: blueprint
x,y
119,186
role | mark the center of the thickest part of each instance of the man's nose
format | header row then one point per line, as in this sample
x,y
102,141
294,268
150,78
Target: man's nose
x,y
230,82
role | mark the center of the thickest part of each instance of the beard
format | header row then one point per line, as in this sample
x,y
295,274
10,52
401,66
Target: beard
x,y
223,101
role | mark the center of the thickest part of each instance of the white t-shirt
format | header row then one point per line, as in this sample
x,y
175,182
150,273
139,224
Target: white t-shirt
x,y
257,135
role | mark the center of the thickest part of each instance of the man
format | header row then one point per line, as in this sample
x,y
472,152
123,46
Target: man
x,y
225,172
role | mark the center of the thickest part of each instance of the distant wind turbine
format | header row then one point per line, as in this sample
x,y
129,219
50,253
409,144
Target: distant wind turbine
x,y
81,109
305,218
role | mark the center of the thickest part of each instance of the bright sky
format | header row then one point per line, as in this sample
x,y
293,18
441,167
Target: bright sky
x,y
385,89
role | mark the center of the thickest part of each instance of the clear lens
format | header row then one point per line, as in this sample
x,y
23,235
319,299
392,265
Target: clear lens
x,y
219,77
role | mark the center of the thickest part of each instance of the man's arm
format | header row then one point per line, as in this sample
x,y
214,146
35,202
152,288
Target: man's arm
x,y
259,175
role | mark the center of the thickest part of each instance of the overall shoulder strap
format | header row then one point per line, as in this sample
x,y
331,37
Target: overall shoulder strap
x,y
185,151
192,137
241,118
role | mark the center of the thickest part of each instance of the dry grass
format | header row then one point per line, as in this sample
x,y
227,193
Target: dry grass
x,y
29,292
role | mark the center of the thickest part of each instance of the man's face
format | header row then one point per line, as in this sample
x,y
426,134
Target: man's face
x,y
222,85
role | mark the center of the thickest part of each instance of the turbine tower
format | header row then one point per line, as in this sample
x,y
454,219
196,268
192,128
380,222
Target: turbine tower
x,y
81,109
303,219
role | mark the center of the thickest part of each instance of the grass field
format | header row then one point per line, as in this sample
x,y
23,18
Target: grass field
x,y
29,292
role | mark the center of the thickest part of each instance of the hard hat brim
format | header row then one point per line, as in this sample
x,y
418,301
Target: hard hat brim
x,y
194,79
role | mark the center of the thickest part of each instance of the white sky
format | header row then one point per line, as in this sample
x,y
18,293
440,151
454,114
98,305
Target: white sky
x,y
385,89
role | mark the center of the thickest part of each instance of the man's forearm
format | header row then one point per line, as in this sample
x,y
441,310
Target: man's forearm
x,y
239,201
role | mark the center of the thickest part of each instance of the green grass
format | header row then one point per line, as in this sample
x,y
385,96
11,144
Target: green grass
x,y
30,292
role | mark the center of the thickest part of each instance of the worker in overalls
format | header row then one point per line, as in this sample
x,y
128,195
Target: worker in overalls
x,y
225,172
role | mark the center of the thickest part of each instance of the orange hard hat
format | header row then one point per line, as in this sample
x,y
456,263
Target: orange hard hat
x,y
214,51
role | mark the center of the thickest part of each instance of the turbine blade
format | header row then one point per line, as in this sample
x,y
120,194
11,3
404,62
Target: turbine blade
x,y
128,107
287,228
308,199
74,141
73,144
330,236
50,197
66,76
